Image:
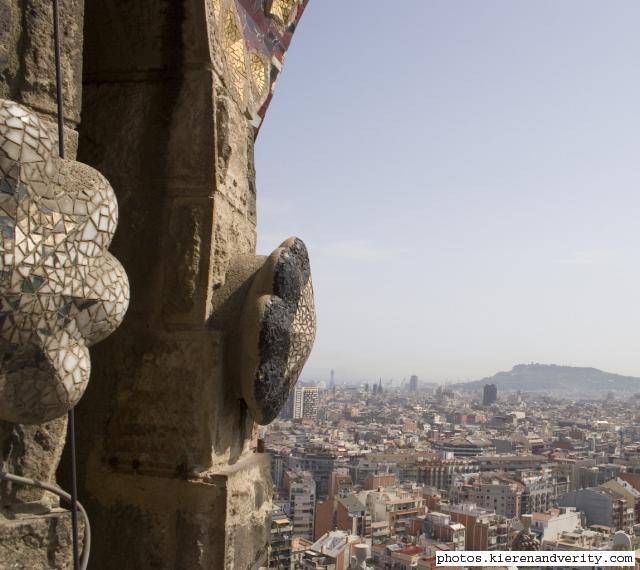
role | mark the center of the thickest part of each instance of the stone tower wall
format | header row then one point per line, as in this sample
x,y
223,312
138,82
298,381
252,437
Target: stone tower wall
x,y
156,99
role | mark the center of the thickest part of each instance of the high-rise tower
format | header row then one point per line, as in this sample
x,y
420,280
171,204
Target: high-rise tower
x,y
489,394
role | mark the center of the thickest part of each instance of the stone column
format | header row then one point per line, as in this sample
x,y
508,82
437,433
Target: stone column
x,y
165,98
168,462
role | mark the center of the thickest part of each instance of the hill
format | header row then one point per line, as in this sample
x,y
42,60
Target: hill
x,y
556,379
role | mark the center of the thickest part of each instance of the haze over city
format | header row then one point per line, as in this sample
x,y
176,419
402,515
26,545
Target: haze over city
x,y
465,176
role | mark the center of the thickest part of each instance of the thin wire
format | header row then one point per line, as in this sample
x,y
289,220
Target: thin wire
x,y
58,491
74,490
71,420
56,40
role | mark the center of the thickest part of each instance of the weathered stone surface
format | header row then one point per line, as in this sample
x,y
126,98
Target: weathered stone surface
x,y
192,127
186,274
36,542
218,520
138,175
159,426
153,38
235,178
27,63
170,410
30,451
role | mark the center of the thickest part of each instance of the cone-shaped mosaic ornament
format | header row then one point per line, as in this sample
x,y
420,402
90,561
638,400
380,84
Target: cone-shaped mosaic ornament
x,y
61,291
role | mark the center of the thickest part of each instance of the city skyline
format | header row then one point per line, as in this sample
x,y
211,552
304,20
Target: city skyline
x,y
487,217
529,377
409,474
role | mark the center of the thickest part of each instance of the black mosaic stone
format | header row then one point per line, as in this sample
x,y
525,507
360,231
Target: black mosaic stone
x,y
274,378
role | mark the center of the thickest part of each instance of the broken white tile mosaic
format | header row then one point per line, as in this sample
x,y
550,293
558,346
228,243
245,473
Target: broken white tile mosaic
x,y
61,291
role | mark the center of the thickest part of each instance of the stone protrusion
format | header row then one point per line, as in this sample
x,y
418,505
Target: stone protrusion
x,y
267,306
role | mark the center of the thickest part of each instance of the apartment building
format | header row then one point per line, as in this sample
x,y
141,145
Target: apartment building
x,y
280,540
374,482
465,446
498,493
439,473
538,494
579,539
602,506
302,404
550,524
340,483
628,491
335,550
396,556
484,529
321,463
396,507
302,501
440,528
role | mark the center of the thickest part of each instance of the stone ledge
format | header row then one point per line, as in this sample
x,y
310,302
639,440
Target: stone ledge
x,y
36,542
216,521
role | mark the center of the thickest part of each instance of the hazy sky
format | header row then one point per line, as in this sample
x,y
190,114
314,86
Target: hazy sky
x,y
466,175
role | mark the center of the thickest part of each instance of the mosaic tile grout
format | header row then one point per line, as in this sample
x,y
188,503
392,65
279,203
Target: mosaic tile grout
x,y
61,291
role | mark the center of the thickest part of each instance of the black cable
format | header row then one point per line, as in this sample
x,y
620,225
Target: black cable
x,y
56,41
74,490
71,420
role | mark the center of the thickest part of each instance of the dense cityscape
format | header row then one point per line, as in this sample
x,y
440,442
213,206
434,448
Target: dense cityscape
x,y
382,477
